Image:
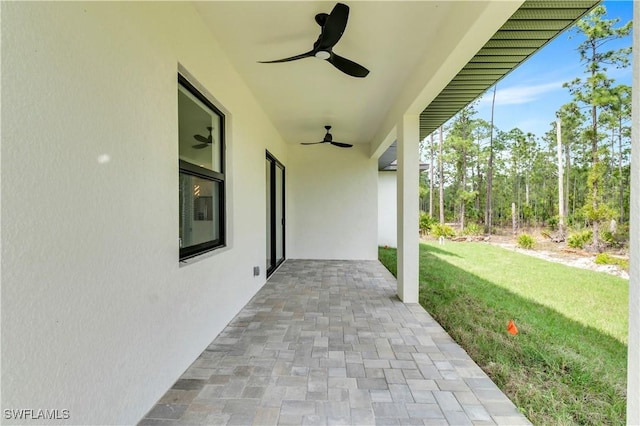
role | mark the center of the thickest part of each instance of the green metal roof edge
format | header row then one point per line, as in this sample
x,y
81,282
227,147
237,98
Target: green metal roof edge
x,y
427,125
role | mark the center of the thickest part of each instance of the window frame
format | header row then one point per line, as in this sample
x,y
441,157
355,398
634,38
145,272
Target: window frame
x,y
194,170
275,164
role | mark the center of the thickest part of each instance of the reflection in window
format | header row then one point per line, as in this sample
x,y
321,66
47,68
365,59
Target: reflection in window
x,y
199,211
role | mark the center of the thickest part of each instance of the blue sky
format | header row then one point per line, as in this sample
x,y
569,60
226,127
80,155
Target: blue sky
x,y
531,94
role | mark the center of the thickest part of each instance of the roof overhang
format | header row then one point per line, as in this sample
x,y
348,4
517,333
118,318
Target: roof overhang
x,y
533,25
529,29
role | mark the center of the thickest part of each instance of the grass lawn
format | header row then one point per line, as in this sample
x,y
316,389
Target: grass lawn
x,y
567,365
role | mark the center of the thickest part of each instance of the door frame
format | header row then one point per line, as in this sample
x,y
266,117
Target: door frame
x,y
273,226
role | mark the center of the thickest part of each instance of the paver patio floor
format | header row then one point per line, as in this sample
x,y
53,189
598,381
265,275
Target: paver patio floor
x,y
328,342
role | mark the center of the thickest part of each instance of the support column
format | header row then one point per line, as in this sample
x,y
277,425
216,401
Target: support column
x,y
633,358
408,237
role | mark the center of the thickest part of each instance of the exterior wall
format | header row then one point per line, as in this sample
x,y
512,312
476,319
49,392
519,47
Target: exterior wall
x,y
98,316
387,209
332,203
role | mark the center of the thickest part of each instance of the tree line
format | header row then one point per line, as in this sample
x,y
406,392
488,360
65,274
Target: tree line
x,y
481,175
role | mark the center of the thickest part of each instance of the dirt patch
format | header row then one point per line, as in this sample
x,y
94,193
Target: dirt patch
x,y
583,261
553,252
560,253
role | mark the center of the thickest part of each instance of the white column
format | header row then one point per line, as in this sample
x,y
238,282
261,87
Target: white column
x,y
633,359
408,238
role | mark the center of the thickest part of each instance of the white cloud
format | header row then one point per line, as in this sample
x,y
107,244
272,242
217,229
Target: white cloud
x,y
520,94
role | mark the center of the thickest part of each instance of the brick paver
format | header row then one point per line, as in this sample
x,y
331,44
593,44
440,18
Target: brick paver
x,y
328,342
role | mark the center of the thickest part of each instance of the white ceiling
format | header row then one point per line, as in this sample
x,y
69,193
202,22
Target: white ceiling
x,y
400,42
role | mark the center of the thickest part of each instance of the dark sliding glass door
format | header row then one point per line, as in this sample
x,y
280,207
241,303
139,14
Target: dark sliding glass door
x,y
275,213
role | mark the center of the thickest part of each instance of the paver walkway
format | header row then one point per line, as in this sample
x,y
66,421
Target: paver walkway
x,y
329,343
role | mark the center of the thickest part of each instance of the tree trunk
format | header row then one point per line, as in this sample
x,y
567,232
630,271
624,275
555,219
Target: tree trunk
x,y
573,205
487,207
561,211
441,170
594,155
596,227
463,202
610,180
621,180
431,177
567,172
514,220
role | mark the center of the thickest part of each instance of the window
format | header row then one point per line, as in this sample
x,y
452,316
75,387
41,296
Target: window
x,y
201,182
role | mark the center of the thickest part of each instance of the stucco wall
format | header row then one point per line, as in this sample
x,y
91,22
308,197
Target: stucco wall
x,y
333,203
98,317
387,209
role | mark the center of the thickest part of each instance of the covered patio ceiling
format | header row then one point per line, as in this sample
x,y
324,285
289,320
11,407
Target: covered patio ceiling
x,y
432,57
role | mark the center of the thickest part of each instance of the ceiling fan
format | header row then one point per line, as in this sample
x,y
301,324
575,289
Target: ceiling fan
x,y
206,141
333,25
328,138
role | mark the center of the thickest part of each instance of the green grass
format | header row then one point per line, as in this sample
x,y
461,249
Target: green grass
x,y
568,363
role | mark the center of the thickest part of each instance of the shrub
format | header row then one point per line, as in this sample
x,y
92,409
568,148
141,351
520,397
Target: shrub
x,y
603,259
438,230
526,241
580,239
425,223
472,229
622,233
607,259
608,237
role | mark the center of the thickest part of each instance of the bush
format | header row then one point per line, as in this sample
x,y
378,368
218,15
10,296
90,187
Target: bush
x,y
607,259
608,237
438,230
526,241
580,239
425,223
622,233
472,229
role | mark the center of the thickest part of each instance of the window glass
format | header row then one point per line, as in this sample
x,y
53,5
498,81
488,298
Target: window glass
x,y
268,181
199,210
199,132
201,178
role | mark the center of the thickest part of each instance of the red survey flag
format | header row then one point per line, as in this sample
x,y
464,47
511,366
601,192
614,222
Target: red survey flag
x,y
511,328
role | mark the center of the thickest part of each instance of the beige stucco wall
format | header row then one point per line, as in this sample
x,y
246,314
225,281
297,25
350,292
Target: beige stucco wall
x,y
387,209
333,203
98,317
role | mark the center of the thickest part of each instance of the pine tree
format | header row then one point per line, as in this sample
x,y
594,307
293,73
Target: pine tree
x,y
595,92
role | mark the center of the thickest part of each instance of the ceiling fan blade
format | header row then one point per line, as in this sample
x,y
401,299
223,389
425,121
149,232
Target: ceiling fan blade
x,y
334,26
321,18
311,143
292,58
202,139
341,145
201,146
347,66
